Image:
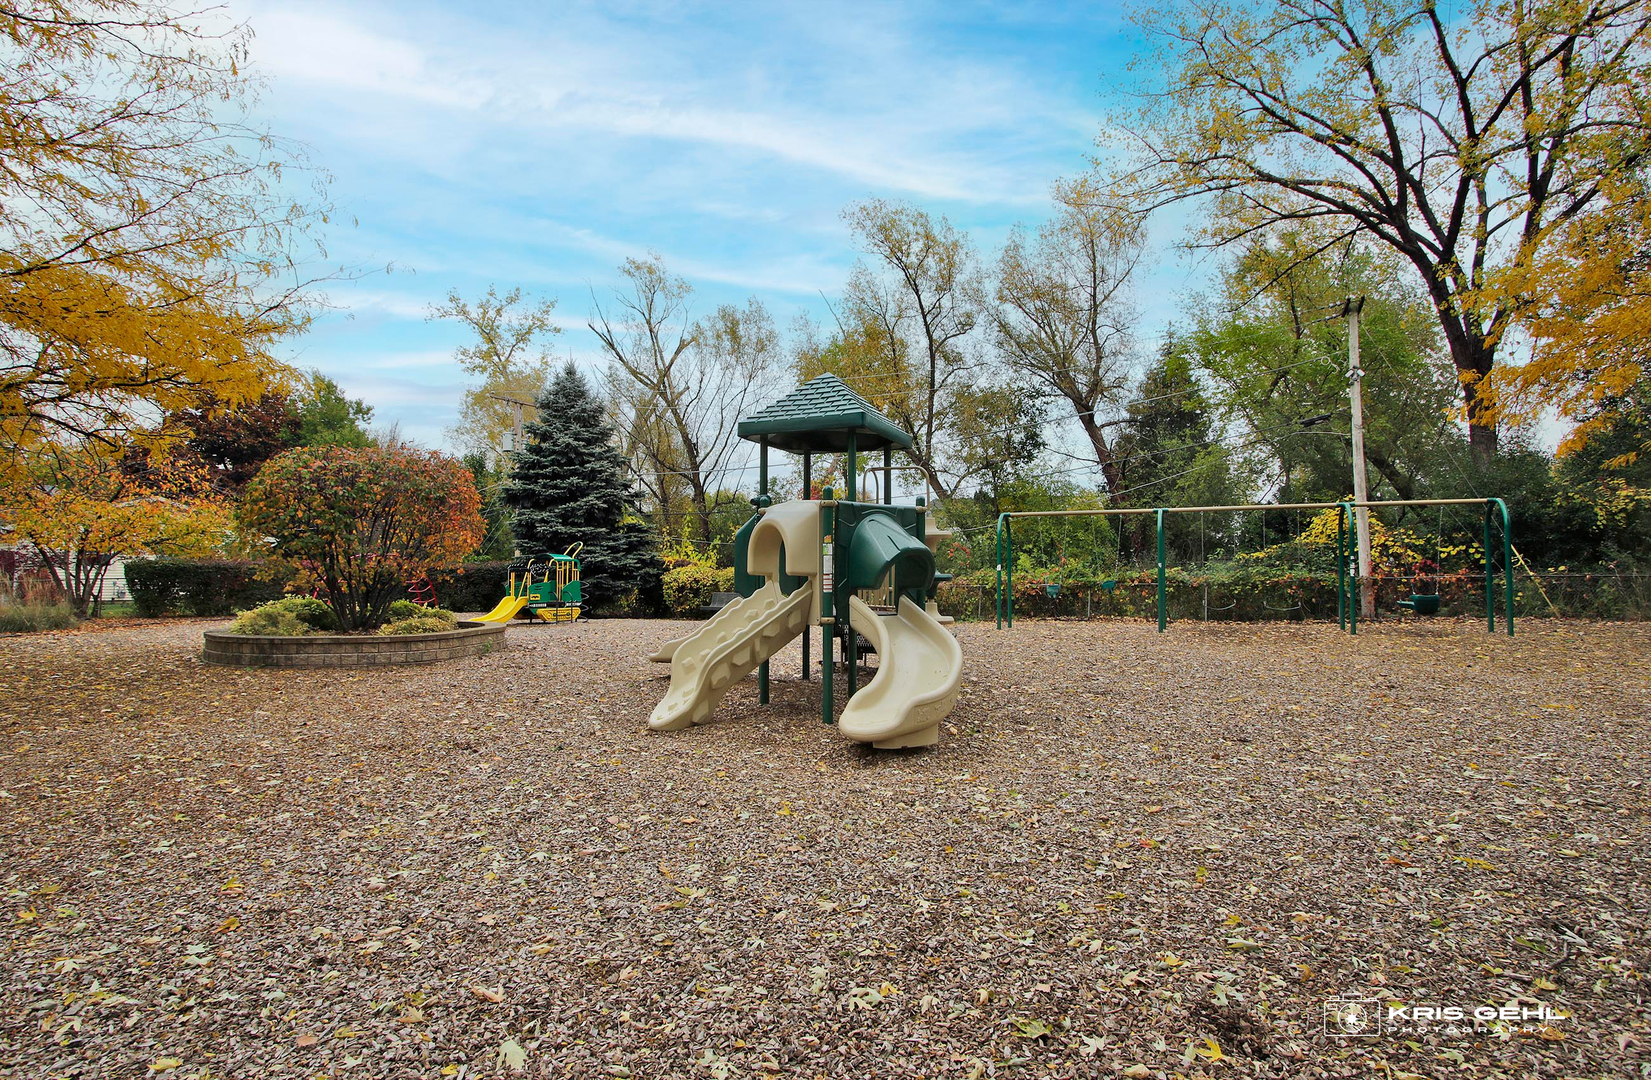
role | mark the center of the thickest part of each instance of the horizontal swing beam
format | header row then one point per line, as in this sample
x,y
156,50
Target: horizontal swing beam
x,y
1236,507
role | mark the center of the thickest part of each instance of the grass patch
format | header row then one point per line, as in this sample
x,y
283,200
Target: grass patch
x,y
29,618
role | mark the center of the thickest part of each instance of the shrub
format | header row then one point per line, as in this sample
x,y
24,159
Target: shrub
x,y
28,617
441,614
689,588
407,609
311,612
202,586
363,522
419,624
271,620
403,609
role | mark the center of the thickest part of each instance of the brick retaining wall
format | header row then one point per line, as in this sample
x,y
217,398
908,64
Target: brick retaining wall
x,y
352,650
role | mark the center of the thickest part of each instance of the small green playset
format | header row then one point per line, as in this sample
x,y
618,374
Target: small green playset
x,y
547,589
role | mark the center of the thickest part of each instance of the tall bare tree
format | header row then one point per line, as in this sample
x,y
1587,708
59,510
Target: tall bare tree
x,y
1063,316
918,300
687,382
1460,140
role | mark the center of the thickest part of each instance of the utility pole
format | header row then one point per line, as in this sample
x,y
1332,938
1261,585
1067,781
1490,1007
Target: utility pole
x,y
1361,493
517,435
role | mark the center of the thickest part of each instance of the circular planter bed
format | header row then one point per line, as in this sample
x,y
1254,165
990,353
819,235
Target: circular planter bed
x,y
352,650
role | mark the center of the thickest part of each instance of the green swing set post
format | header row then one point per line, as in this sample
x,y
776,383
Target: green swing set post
x,y
1006,569
1493,504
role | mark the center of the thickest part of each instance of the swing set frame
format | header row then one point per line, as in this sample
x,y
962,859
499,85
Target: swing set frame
x,y
1347,566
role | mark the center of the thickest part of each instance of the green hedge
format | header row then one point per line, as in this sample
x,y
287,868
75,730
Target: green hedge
x,y
689,588
202,586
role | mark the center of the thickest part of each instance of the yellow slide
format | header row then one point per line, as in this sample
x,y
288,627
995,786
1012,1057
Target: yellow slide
x,y
505,610
919,668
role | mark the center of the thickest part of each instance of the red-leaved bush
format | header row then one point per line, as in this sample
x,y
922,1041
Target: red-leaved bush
x,y
364,522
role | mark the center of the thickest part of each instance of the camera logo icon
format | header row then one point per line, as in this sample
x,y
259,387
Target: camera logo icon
x,y
1353,1018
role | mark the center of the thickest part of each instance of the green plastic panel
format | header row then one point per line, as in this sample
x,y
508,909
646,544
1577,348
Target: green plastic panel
x,y
878,542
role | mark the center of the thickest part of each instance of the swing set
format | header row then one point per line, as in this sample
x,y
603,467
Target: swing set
x,y
1347,565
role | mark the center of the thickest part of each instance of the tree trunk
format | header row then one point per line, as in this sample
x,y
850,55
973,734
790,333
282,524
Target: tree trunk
x,y
1404,485
701,501
1474,357
1110,472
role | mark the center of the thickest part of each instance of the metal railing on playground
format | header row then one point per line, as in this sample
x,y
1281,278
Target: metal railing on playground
x,y
1348,580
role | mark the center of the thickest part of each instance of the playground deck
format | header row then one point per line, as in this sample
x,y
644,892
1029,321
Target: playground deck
x,y
1130,849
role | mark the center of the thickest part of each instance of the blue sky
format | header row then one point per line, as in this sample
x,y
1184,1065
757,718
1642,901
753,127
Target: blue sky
x,y
539,145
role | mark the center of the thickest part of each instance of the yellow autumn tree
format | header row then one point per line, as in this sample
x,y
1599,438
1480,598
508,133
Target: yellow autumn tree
x,y
1589,318
79,506
150,243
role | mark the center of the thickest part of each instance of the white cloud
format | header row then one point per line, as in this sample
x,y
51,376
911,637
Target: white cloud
x,y
322,48
942,133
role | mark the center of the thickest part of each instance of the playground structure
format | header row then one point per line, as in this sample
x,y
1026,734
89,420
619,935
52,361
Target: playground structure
x,y
856,569
555,595
1348,582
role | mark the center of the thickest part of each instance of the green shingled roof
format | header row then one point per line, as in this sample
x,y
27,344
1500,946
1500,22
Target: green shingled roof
x,y
817,418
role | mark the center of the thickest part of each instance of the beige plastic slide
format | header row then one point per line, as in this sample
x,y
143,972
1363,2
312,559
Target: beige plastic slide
x,y
919,669
792,527
727,649
666,652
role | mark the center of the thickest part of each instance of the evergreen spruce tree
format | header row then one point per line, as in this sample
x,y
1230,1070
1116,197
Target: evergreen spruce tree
x,y
1170,455
568,485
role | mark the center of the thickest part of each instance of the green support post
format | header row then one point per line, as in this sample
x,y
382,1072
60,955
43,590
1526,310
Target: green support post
x,y
851,649
922,537
1163,613
1507,566
850,464
808,493
828,525
762,495
888,476
1490,587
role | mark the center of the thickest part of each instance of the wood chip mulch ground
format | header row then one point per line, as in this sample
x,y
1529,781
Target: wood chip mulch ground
x,y
1132,854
